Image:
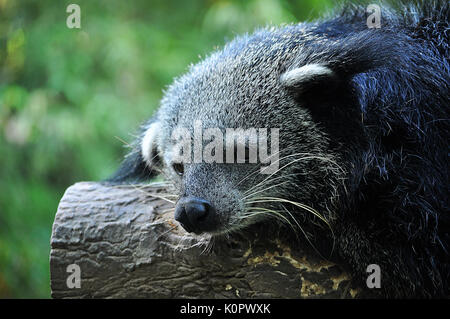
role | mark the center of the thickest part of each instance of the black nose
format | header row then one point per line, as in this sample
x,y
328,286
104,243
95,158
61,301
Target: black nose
x,y
196,215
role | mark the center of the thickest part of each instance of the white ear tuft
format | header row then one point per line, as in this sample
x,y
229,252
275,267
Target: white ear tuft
x,y
149,143
305,74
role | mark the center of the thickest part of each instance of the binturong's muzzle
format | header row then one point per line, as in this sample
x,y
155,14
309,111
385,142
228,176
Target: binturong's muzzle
x,y
196,215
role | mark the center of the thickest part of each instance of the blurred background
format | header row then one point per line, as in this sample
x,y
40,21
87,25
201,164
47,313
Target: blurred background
x,y
71,98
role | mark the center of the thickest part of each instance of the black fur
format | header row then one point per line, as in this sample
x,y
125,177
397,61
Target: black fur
x,y
132,169
395,142
386,117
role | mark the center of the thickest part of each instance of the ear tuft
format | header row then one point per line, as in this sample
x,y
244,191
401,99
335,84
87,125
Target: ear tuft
x,y
149,143
306,75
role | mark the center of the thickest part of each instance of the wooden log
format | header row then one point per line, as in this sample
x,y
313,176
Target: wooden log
x,y
127,245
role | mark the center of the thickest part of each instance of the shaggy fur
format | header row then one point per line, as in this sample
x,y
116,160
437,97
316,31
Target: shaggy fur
x,y
365,139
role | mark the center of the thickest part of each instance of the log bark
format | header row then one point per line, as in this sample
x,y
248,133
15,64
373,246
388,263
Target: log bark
x,y
127,245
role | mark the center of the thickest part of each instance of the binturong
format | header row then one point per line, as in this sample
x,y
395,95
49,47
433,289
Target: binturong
x,y
330,130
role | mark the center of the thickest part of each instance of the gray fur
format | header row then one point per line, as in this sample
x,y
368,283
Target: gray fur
x,y
240,87
363,148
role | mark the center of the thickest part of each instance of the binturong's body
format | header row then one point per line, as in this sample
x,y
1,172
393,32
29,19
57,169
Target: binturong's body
x,y
356,123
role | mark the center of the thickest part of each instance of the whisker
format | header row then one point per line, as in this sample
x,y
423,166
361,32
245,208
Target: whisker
x,y
123,141
153,195
306,157
290,163
253,172
303,206
262,190
270,212
304,233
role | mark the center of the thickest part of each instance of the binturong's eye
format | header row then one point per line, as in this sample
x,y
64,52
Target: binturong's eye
x,y
178,168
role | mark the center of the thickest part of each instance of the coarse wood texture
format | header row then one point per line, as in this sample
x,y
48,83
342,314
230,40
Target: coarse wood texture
x,y
127,245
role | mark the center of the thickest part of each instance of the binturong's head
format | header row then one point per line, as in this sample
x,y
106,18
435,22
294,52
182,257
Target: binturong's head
x,y
240,135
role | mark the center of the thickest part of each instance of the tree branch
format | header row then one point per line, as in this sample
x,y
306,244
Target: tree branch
x,y
127,245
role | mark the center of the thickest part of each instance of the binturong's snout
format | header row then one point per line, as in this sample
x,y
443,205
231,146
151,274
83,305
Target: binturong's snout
x,y
196,215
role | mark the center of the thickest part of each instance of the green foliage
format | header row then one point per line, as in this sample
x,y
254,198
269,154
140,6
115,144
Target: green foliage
x,y
69,98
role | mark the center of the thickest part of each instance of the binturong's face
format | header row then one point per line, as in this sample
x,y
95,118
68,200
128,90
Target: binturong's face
x,y
238,146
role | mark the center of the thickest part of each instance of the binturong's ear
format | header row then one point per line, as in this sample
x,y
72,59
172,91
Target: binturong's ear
x,y
325,68
149,145
314,76
143,162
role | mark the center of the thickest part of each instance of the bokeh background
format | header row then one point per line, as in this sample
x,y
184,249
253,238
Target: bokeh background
x,y
70,99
